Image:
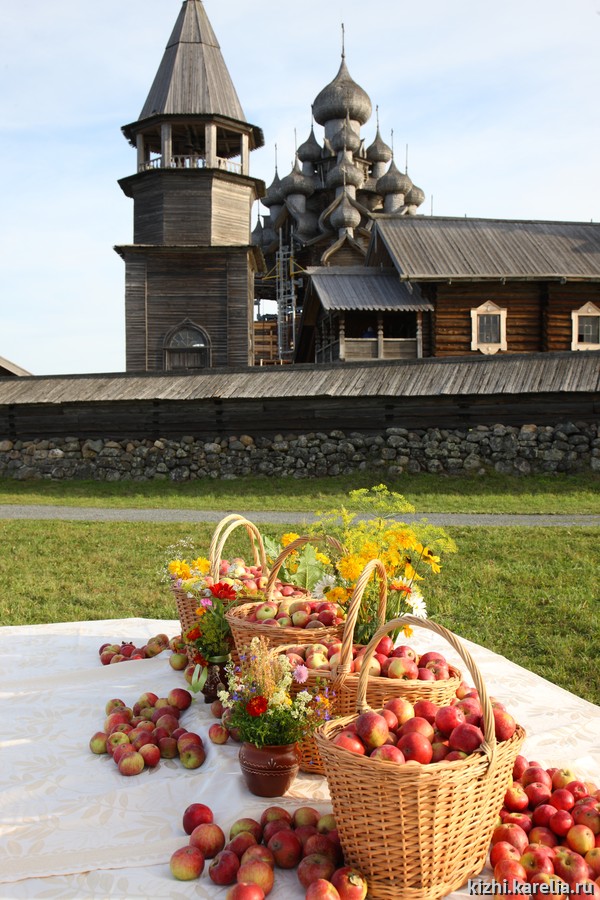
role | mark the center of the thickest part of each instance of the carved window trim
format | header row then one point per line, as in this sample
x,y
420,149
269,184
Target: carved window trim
x,y
587,311
489,308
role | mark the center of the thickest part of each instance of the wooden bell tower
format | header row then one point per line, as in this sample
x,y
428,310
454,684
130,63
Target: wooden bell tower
x,y
189,274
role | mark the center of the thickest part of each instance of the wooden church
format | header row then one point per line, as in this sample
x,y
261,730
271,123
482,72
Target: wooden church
x,y
356,272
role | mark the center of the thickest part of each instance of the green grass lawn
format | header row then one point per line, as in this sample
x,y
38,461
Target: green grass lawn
x,y
492,493
530,594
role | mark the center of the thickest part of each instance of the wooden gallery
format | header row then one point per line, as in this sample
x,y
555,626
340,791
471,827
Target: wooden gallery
x,y
384,316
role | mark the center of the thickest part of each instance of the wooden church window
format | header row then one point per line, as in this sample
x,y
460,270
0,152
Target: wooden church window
x,y
187,347
586,328
488,328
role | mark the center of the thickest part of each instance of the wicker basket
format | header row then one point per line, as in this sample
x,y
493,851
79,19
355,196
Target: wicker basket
x,y
243,630
187,604
380,689
417,832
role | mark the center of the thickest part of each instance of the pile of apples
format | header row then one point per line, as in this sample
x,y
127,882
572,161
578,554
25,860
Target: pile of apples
x,y
122,651
292,612
253,580
424,732
401,662
138,737
549,831
305,840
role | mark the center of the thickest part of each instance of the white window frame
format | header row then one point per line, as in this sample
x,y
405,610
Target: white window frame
x,y
588,309
488,309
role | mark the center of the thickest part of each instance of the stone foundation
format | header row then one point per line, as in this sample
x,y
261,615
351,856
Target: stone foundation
x,y
567,447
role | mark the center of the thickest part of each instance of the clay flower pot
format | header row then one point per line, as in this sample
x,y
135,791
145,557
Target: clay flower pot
x,y
269,771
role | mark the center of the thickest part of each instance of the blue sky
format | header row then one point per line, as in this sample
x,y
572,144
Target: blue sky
x,y
497,104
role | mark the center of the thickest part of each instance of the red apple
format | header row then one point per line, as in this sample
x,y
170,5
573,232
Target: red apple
x,y
512,834
541,834
465,737
415,746
535,861
313,867
580,838
388,752
592,858
272,827
321,889
150,754
447,718
257,872
562,777
504,724
305,815
403,668
349,883
275,813
131,764
179,698
196,814
186,863
510,870
209,838
589,816
520,764
542,814
561,822
402,708
418,724
241,842
537,774
570,866
286,849
223,868
372,729
247,824
320,843
515,798
503,850
257,851
538,793
562,798
522,819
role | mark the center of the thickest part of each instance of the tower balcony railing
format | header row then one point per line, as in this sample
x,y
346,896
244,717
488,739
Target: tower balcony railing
x,y
191,161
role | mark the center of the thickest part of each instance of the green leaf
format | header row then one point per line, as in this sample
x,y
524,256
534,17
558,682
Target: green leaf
x,y
310,569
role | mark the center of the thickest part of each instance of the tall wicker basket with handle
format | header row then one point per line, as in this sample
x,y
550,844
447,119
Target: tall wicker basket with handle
x,y
417,832
186,602
343,683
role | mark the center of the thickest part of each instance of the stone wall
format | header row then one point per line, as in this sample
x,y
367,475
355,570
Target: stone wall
x,y
567,447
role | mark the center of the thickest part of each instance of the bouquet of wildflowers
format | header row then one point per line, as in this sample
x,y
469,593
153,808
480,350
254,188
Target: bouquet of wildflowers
x,y
211,635
409,553
263,707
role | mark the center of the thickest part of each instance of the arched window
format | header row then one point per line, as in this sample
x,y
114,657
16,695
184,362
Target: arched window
x,y
186,347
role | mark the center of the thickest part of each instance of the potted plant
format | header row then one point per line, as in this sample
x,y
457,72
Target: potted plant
x,y
269,719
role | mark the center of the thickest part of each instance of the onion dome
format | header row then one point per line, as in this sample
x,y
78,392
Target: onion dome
x,y
379,150
345,173
257,234
297,182
310,150
274,195
415,196
345,215
346,138
393,182
341,98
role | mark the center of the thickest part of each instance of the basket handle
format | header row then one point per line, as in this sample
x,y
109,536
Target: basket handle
x,y
374,565
295,545
489,744
221,534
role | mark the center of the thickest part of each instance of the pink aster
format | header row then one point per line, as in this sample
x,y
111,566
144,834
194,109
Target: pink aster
x,y
300,674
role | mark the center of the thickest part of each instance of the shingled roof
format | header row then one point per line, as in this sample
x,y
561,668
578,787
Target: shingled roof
x,y
430,248
360,288
192,78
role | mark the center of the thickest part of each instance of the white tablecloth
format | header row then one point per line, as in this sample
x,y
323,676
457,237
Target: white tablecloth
x,y
72,826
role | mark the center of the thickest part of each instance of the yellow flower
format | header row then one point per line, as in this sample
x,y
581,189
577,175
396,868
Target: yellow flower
x,y
350,567
337,595
201,611
179,568
201,565
322,558
289,538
